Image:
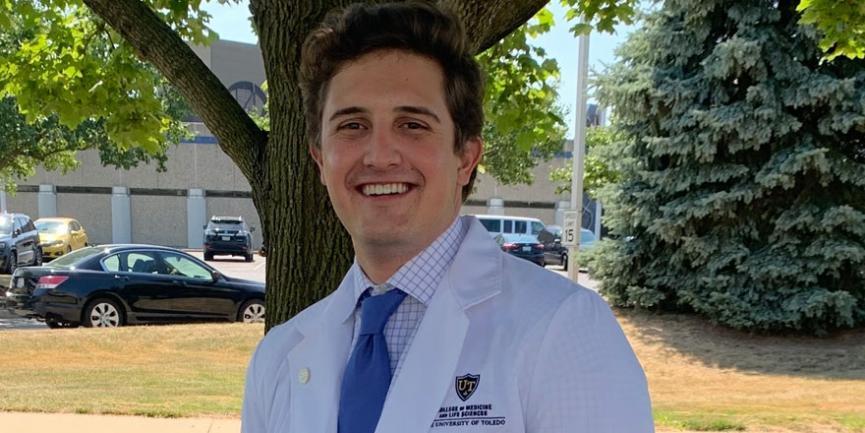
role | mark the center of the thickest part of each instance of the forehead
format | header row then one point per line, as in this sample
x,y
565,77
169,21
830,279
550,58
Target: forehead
x,y
384,79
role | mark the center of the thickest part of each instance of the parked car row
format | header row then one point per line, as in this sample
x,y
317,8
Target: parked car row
x,y
115,285
24,242
530,239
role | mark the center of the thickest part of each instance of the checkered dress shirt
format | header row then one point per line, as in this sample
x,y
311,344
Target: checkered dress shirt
x,y
419,278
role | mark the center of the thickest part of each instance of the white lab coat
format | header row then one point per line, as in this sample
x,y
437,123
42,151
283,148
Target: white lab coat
x,y
549,357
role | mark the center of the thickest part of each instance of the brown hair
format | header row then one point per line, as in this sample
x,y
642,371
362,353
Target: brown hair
x,y
413,26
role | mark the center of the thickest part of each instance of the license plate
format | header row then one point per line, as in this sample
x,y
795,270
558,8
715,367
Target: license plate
x,y
527,249
226,238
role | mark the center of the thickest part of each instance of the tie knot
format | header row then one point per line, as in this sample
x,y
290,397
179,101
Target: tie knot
x,y
376,310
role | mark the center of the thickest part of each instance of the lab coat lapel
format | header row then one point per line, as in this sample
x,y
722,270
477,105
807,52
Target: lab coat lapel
x,y
319,361
427,372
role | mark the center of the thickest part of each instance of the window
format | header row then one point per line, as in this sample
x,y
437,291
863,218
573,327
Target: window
x,y
520,227
509,226
112,263
51,227
74,226
537,227
182,266
141,262
493,226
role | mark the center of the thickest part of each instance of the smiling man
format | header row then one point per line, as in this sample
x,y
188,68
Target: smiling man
x,y
433,328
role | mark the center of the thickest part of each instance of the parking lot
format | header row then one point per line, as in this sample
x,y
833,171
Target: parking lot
x,y
231,266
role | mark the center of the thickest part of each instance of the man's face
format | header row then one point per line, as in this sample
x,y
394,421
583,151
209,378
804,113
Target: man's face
x,y
387,151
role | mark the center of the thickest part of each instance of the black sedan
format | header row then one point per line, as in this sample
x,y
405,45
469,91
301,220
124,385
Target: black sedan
x,y
115,285
523,246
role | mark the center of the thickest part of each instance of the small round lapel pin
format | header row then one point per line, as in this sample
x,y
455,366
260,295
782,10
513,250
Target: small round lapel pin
x,y
303,375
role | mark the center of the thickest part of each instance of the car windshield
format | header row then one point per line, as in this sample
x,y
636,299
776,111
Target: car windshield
x,y
5,225
71,259
51,226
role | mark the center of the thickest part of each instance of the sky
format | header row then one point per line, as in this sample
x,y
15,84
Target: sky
x,y
231,22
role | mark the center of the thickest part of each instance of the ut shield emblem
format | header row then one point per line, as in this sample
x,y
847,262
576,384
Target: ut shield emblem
x,y
466,385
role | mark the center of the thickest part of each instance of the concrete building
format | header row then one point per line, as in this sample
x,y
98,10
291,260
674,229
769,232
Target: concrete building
x,y
144,206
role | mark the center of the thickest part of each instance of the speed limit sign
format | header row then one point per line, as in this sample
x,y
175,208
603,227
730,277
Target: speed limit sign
x,y
571,229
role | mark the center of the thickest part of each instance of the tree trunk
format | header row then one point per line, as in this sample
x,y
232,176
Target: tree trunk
x,y
310,250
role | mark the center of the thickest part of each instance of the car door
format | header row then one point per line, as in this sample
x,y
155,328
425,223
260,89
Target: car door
x,y
202,297
78,238
24,246
151,295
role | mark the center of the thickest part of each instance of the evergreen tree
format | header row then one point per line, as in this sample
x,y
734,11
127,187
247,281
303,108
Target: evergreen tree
x,y
743,189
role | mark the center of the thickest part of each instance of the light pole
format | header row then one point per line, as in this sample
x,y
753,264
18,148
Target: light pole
x,y
579,154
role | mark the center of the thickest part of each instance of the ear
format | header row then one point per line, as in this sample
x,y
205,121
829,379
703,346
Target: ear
x,y
472,151
315,153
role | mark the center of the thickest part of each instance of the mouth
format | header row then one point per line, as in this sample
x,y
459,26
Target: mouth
x,y
384,189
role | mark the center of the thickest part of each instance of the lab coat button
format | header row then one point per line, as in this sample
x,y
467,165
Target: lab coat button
x,y
303,375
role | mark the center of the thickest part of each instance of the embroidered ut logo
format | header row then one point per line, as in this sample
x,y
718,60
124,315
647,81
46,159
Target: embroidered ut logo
x,y
466,385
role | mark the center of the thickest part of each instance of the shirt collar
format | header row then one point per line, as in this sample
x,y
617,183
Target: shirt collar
x,y
421,275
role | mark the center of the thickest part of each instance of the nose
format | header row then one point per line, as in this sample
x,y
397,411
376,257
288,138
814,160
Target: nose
x,y
382,150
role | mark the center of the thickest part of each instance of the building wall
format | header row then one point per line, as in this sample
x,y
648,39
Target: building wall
x,y
23,202
159,220
92,211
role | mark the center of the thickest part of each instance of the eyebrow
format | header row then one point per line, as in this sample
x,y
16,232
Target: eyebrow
x,y
401,109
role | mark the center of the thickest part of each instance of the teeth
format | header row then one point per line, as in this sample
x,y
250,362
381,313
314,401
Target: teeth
x,y
386,188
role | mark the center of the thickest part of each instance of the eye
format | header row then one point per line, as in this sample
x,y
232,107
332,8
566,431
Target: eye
x,y
413,125
350,125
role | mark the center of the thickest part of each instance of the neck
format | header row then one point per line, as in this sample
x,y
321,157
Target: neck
x,y
380,264
380,260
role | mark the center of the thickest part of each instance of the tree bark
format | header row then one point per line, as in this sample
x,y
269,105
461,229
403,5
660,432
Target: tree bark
x,y
308,249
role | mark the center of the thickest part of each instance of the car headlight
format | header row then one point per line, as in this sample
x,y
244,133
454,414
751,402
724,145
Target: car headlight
x,y
2,245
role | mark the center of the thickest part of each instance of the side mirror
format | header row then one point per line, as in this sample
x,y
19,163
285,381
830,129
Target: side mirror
x,y
204,227
16,232
216,276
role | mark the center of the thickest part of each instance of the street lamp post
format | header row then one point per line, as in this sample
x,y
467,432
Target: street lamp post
x,y
579,153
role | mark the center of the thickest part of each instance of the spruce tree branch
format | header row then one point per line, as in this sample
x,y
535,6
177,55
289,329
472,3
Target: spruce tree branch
x,y
158,44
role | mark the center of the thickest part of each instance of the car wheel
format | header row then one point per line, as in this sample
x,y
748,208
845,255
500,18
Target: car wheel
x,y
103,313
11,263
249,257
37,257
208,257
565,261
251,312
68,249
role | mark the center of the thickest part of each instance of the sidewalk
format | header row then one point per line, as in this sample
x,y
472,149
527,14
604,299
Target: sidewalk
x,y
14,422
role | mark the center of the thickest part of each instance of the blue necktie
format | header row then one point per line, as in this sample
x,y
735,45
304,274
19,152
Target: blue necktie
x,y
367,375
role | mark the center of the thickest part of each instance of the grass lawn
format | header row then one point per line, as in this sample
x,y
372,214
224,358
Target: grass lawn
x,y
702,378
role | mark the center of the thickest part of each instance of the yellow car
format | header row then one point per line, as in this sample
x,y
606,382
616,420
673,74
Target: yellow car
x,y
58,236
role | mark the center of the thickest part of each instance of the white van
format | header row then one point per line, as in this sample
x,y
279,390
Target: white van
x,y
503,224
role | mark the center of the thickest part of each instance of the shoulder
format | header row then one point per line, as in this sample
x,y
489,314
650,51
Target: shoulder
x,y
530,284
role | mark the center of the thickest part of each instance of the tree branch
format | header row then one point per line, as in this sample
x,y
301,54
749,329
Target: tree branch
x,y
487,22
158,44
